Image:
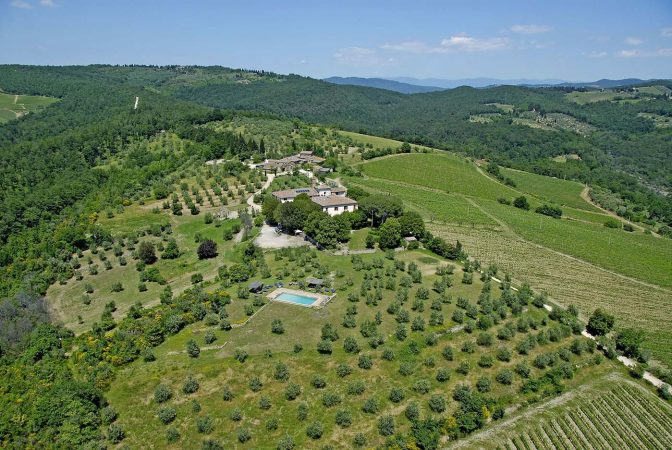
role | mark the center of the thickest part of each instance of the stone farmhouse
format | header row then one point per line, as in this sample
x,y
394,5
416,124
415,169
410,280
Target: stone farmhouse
x,y
289,163
332,199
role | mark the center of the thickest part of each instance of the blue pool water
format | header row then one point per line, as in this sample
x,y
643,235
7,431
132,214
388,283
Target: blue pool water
x,y
295,298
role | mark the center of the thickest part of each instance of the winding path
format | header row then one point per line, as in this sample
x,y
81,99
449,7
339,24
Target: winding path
x,y
250,200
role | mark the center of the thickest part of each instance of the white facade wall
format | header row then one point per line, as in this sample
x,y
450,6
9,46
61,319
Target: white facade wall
x,y
336,210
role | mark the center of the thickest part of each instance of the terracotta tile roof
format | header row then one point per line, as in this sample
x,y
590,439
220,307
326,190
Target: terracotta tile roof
x,y
334,201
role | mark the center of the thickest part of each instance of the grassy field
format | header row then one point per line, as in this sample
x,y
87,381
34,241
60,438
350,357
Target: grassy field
x,y
412,369
443,172
583,98
14,106
436,206
561,192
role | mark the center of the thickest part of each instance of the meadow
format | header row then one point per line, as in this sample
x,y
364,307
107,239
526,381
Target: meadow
x,y
14,106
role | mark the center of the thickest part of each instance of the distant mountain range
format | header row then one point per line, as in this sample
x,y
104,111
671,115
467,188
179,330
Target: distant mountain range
x,y
382,83
409,85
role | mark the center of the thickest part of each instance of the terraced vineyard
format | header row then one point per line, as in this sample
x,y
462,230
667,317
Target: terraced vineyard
x,y
622,416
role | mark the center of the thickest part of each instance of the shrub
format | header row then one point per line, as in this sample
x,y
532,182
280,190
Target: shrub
x,y
190,385
412,411
255,384
236,415
505,376
286,443
356,388
264,402
204,424
396,395
350,345
277,327
240,355
167,414
117,287
324,347
314,430
207,249
115,434
318,382
227,394
371,406
172,435
521,203
343,418
281,372
483,384
330,399
272,424
193,349
549,210
146,252
365,362
343,370
209,337
359,440
442,375
244,435
162,393
292,391
422,386
437,403
386,426
108,415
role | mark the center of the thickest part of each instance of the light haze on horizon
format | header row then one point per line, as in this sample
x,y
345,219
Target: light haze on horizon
x,y
571,40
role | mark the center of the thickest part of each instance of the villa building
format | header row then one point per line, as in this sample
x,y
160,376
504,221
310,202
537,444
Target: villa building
x,y
332,199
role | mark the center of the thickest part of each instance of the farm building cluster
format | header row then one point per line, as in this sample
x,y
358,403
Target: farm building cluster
x,y
289,163
332,200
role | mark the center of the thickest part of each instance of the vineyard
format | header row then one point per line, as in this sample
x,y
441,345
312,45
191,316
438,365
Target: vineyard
x,y
619,414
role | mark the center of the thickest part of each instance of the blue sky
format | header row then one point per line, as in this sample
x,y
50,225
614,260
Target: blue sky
x,y
571,40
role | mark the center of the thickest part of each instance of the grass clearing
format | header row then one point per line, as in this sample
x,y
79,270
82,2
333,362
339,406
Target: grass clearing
x,y
562,192
14,106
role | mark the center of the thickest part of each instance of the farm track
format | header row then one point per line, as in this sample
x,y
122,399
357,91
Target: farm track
x,y
585,194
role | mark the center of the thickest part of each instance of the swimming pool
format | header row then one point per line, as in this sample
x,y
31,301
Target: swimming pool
x,y
295,298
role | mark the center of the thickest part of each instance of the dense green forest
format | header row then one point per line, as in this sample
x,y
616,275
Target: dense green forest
x,y
84,154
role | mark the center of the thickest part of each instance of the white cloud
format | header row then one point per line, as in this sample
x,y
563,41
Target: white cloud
x,y
360,56
21,4
530,29
458,43
636,53
595,54
47,3
470,44
630,40
408,46
666,32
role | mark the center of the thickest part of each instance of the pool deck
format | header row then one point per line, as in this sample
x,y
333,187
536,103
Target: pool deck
x,y
320,302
